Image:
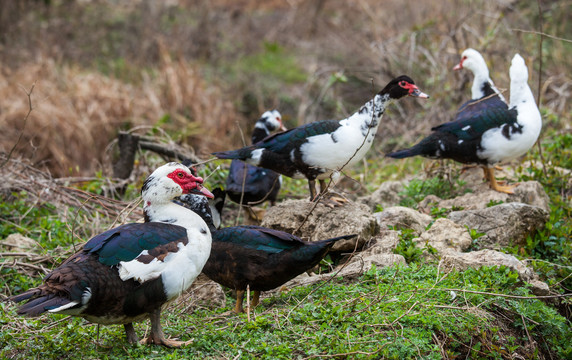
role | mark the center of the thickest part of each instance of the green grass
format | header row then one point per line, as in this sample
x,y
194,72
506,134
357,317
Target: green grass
x,y
275,63
551,247
418,189
407,247
39,221
396,313
400,312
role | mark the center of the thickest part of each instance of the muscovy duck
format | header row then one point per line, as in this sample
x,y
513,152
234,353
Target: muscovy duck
x,y
320,149
258,257
484,93
251,184
487,134
128,273
483,86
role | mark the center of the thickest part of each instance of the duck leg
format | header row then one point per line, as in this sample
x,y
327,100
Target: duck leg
x,y
313,193
130,334
157,336
239,298
490,176
470,166
255,214
255,298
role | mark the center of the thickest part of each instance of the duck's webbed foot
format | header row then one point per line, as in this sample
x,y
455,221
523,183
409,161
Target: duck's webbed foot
x,y
329,197
490,176
157,336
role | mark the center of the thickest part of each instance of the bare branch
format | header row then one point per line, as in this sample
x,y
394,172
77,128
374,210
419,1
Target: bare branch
x,y
542,34
30,108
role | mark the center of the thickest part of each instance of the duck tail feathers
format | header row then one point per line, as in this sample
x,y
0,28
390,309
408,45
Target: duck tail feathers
x,y
333,240
240,154
405,153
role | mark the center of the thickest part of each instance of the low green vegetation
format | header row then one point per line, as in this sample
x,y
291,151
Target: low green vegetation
x,y
551,248
274,62
418,189
39,221
407,247
396,313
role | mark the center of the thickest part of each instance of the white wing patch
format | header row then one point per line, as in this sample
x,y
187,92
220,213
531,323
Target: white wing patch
x,y
255,156
466,128
142,272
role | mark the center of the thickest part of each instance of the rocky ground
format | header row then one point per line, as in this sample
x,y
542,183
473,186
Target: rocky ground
x,y
469,232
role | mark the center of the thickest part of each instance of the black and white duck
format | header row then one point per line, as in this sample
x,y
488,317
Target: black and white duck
x,y
251,185
130,272
320,150
487,132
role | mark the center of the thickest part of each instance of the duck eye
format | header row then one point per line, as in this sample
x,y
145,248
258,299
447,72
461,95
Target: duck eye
x,y
180,175
403,84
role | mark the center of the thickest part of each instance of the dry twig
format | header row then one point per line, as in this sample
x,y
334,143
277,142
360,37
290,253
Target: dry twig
x,y
30,108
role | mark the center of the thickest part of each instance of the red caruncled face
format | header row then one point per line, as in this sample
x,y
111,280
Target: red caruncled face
x,y
412,89
189,183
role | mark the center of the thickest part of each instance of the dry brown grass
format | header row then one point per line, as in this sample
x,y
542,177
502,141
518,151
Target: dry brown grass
x,y
77,113
41,187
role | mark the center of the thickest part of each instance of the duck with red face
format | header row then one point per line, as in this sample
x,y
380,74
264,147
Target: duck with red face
x,y
128,273
320,150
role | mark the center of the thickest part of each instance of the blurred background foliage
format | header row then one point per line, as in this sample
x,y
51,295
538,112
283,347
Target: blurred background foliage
x,y
199,69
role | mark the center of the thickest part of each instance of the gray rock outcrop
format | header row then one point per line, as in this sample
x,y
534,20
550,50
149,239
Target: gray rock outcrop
x,y
386,195
400,217
445,236
477,259
323,222
504,224
530,192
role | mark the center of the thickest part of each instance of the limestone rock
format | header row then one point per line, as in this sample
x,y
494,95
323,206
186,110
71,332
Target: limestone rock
x,y
358,265
361,263
323,222
504,224
379,253
530,192
17,242
477,259
402,218
384,243
539,288
386,195
303,279
445,235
